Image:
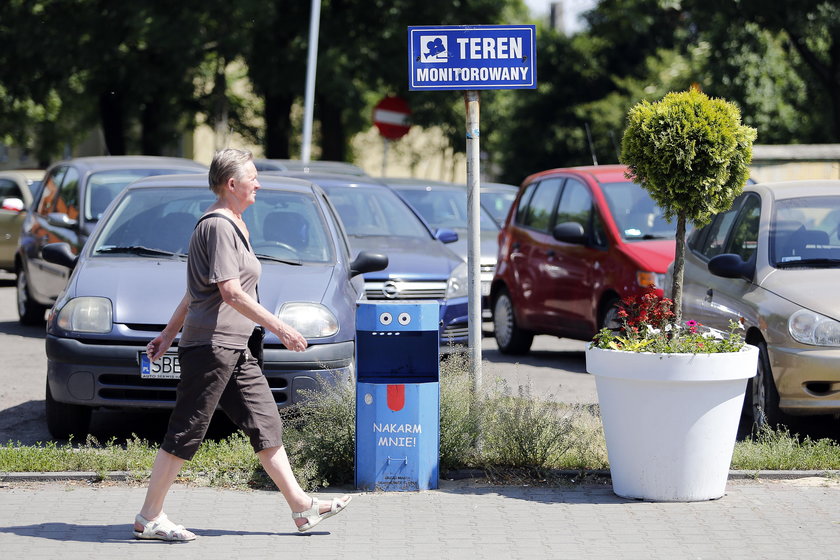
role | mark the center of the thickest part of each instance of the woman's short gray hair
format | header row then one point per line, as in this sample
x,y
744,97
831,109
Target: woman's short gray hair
x,y
227,163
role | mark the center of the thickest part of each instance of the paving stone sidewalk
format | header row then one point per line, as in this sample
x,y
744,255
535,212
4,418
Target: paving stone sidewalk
x,y
764,519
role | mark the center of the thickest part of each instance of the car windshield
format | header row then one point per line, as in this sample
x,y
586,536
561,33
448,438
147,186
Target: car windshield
x,y
283,226
367,211
104,186
804,232
498,203
635,213
445,208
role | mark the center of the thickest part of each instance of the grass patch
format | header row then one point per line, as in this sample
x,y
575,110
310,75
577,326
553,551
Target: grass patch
x,y
513,436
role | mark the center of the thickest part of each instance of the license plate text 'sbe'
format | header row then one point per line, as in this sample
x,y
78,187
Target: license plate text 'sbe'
x,y
165,367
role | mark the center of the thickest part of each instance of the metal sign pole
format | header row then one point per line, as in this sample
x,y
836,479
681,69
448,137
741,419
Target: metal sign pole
x,y
311,65
471,99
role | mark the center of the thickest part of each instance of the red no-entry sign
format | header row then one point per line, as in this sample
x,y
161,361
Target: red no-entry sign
x,y
391,117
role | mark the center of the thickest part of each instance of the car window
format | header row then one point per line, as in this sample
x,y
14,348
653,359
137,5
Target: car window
x,y
445,208
9,189
635,213
805,228
49,192
369,211
67,201
104,186
575,204
283,225
541,206
498,203
714,238
744,238
524,201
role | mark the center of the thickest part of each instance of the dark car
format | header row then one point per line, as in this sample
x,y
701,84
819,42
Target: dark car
x,y
444,206
314,166
74,195
575,242
131,275
772,263
420,267
17,189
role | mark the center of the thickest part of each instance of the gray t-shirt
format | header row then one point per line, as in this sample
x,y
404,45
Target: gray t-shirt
x,y
216,254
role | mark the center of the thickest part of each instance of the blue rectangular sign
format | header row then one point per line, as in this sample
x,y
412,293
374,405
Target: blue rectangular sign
x,y
468,57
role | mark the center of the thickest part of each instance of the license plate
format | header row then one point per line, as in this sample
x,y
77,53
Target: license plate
x,y
165,367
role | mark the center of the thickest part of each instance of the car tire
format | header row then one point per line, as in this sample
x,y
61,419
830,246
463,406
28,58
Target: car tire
x,y
509,337
65,420
762,394
30,312
609,315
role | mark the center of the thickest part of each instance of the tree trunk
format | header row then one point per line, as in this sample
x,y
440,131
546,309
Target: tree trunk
x,y
151,140
679,267
333,141
112,117
278,125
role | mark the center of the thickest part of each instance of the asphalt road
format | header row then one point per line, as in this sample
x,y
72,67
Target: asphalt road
x,y
555,368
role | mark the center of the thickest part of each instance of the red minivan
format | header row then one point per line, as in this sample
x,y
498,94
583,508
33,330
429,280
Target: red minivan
x,y
575,242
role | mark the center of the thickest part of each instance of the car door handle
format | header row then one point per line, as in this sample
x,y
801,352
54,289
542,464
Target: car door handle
x,y
550,253
709,294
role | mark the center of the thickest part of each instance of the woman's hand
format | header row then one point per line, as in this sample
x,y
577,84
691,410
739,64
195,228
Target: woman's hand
x,y
291,339
158,347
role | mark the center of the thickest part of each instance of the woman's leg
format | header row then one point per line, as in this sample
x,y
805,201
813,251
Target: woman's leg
x,y
164,471
275,461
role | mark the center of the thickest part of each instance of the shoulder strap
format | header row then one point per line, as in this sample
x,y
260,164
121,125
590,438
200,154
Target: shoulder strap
x,y
238,231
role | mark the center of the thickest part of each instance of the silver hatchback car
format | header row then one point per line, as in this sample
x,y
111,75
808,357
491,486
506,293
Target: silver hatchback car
x,y
772,261
131,275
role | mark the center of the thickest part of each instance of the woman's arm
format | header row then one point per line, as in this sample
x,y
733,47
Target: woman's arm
x,y
236,297
158,347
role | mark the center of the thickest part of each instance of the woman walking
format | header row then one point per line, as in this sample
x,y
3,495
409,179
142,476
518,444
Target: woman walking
x,y
217,314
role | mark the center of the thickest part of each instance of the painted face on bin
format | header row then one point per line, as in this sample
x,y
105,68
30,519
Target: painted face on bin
x,y
387,318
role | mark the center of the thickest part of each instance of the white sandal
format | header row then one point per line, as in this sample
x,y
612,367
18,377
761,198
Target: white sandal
x,y
314,516
161,529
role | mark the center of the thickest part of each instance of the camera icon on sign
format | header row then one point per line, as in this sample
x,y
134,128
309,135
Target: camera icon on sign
x,y
433,48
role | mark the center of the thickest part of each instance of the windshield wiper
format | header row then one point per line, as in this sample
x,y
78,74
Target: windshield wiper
x,y
293,262
138,250
808,262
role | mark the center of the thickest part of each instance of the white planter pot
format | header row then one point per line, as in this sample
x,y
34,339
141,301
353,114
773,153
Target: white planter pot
x,y
670,420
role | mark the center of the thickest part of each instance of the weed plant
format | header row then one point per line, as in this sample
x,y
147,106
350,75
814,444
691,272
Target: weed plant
x,y
495,429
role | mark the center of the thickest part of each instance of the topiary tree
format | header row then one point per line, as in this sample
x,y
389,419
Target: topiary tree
x,y
692,154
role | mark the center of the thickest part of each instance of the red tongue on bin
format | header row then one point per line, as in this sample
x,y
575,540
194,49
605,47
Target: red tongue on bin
x,y
396,397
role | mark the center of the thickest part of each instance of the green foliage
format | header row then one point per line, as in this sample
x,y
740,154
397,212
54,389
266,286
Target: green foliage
x,y
690,152
778,449
460,414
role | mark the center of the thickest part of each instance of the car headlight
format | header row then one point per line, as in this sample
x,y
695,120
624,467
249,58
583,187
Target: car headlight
x,y
809,327
86,314
456,286
646,279
312,320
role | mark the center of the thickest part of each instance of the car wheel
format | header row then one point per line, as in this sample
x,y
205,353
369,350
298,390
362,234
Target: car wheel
x,y
30,311
509,337
609,316
65,420
763,395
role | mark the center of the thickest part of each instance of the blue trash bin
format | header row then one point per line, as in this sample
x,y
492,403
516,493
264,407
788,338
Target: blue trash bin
x,y
397,395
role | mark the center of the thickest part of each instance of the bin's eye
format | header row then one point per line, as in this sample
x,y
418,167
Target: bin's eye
x,y
385,318
404,318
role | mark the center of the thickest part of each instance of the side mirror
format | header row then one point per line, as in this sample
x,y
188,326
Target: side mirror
x,y
368,262
13,204
60,219
569,232
729,265
446,235
60,254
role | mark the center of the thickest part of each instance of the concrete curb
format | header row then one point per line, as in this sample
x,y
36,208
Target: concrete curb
x,y
122,476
